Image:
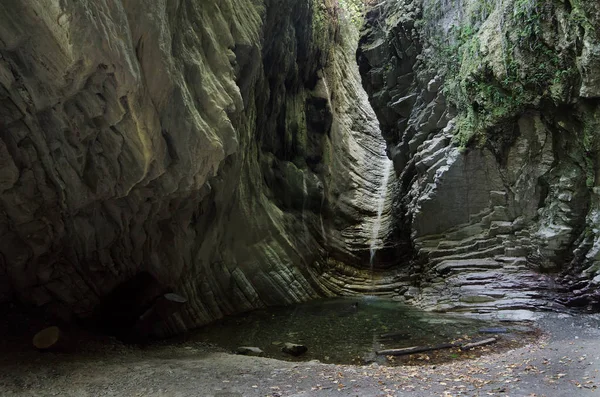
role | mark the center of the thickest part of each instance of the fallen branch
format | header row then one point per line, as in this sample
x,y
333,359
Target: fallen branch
x,y
422,349
484,342
415,349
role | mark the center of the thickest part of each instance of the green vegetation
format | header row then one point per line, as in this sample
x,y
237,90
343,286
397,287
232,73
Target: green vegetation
x,y
327,13
484,91
353,10
322,19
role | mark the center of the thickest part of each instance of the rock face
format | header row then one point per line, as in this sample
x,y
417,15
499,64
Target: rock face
x,y
222,150
490,112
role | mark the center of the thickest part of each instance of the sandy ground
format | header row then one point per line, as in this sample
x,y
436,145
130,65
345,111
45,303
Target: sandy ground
x,y
564,362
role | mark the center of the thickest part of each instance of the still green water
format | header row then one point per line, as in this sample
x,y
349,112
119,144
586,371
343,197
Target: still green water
x,y
343,331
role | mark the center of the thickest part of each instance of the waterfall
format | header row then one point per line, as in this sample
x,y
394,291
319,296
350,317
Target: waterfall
x,y
383,190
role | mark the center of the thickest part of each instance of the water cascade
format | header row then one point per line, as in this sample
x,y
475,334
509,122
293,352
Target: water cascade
x,y
376,243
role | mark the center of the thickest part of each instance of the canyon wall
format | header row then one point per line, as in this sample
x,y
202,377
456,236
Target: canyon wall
x,y
490,111
222,150
228,152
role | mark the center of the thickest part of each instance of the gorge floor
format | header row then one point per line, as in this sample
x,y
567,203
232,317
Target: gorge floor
x,y
564,362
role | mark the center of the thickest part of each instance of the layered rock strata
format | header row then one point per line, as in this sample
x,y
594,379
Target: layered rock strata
x,y
222,150
490,112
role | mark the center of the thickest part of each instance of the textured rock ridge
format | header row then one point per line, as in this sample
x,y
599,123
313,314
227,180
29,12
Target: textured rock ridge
x,y
222,150
490,113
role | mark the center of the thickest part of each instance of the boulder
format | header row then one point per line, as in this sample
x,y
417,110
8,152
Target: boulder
x,y
51,339
249,351
294,349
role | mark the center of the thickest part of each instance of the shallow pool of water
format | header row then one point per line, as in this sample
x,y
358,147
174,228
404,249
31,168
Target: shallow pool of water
x,y
341,330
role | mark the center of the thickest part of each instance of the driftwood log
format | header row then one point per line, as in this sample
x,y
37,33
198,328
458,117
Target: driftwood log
x,y
415,349
483,342
422,349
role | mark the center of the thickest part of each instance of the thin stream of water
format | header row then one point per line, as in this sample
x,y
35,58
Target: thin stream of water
x,y
383,190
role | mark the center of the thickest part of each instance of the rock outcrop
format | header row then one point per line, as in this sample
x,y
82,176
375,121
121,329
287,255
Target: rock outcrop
x,y
222,150
490,112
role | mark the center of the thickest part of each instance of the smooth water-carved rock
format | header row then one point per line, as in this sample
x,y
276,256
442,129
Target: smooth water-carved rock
x,y
227,149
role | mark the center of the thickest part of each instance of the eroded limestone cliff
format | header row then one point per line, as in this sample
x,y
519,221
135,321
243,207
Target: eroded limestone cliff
x,y
491,110
228,152
223,150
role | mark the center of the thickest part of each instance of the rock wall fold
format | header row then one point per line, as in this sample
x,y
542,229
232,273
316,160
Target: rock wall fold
x,y
222,150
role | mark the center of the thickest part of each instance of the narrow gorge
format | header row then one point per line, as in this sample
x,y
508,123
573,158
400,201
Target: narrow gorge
x,y
330,181
257,153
